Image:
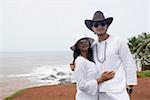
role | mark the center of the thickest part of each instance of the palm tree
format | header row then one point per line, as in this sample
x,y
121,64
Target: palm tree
x,y
140,47
133,42
143,53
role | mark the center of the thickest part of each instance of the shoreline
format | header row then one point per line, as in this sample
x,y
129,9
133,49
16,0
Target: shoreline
x,y
58,75
8,87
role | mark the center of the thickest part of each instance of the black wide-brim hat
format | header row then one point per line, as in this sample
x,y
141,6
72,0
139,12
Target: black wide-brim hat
x,y
98,16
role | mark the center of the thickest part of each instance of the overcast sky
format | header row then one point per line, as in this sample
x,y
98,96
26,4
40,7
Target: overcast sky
x,y
51,25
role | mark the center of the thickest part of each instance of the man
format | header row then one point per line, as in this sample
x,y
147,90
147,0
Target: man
x,y
112,54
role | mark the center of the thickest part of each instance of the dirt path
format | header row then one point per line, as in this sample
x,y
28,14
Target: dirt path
x,y
142,90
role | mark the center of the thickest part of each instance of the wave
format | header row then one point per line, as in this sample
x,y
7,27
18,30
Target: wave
x,y
47,74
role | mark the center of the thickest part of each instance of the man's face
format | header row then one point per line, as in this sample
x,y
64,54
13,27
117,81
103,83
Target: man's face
x,y
99,27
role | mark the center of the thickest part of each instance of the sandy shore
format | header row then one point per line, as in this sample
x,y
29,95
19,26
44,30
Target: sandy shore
x,y
10,86
67,92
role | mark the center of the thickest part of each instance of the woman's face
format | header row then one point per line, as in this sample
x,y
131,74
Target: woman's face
x,y
83,44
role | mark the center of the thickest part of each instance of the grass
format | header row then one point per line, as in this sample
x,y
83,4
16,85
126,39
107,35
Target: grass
x,y
144,73
14,94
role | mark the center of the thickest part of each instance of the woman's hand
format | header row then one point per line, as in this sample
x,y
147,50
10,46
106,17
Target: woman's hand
x,y
105,76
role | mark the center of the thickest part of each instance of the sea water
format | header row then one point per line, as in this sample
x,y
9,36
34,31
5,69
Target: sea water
x,y
40,68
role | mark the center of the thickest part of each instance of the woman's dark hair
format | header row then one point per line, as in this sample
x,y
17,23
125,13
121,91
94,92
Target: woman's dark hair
x,y
77,52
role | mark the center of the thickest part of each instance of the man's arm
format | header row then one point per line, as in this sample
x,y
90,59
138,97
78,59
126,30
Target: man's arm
x,y
128,63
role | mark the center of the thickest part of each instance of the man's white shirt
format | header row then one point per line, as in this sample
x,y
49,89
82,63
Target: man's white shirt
x,y
113,54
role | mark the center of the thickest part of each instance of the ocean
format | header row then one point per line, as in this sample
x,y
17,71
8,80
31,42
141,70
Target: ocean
x,y
26,69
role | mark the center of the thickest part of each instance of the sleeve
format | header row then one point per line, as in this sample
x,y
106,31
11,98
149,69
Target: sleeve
x,y
88,87
128,63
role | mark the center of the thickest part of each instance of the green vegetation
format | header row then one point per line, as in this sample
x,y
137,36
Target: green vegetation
x,y
140,47
14,94
144,73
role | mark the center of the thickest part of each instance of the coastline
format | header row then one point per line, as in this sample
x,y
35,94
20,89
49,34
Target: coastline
x,y
10,86
58,75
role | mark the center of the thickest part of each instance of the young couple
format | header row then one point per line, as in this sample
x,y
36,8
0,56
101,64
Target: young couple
x,y
103,69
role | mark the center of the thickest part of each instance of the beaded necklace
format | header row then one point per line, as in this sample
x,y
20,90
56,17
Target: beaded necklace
x,y
101,60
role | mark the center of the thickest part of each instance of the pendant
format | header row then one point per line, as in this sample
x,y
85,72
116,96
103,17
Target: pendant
x,y
103,58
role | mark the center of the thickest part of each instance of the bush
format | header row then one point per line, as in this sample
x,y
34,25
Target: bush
x,y
144,73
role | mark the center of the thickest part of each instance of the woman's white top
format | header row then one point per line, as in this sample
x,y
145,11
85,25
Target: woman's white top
x,y
85,75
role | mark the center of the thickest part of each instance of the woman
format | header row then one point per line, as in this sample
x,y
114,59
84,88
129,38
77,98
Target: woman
x,y
86,72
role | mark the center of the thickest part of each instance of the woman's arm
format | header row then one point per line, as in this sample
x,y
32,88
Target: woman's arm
x,y
88,87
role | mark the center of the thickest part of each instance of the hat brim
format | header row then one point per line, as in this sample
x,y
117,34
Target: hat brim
x,y
91,40
89,23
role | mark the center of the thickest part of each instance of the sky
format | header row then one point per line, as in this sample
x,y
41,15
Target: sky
x,y
52,25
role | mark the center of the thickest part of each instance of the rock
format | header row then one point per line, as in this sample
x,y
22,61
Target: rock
x,y
64,80
45,78
51,77
54,69
61,73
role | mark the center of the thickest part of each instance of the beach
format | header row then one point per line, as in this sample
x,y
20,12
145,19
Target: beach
x,y
10,86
